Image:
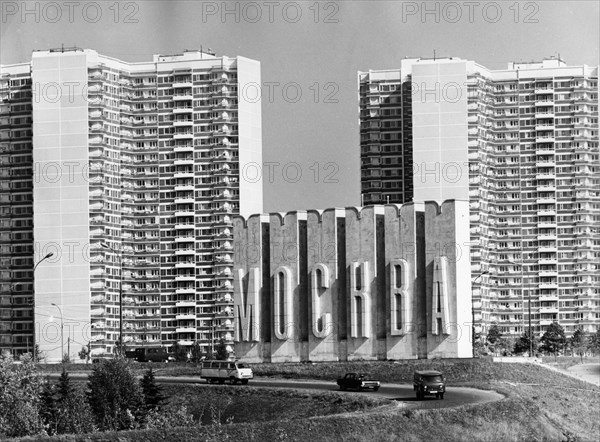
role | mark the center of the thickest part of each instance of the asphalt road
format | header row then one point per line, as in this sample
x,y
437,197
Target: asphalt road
x,y
401,393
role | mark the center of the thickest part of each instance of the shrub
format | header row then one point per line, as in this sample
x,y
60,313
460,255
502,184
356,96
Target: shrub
x,y
65,408
20,397
169,417
115,396
152,392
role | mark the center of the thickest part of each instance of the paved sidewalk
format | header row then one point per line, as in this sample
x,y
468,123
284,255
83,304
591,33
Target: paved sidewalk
x,y
589,373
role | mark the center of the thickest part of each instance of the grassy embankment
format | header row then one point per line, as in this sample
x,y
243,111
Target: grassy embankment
x,y
540,405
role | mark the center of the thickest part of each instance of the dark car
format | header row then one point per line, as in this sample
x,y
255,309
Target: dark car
x,y
359,381
149,354
429,382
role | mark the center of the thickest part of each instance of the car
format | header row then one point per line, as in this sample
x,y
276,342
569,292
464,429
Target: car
x,y
429,383
359,381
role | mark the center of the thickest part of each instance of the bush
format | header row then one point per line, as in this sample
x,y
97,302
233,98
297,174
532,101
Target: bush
x,y
65,408
152,392
115,396
169,417
20,397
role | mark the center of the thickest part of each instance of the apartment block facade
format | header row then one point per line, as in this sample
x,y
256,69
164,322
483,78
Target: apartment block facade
x,y
131,176
521,145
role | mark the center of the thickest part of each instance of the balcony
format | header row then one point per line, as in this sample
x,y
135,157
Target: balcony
x,y
185,291
184,174
184,200
183,123
184,161
182,84
189,251
183,136
185,265
185,330
189,303
185,213
186,316
184,187
183,97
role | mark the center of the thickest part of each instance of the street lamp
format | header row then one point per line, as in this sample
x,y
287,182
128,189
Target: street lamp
x,y
106,246
49,255
62,340
473,308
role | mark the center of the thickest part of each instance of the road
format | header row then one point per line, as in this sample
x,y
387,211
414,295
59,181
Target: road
x,y
401,393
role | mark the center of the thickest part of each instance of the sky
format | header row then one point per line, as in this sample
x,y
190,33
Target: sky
x,y
310,53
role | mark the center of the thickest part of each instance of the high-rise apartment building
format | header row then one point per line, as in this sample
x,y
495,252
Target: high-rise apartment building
x,y
129,173
521,145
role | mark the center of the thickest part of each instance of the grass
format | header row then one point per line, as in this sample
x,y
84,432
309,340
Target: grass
x,y
540,405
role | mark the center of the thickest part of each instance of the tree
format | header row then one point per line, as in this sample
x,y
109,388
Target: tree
x,y
494,334
152,392
593,343
179,352
20,397
522,344
38,355
66,409
196,352
494,337
115,396
84,353
221,352
578,343
504,346
553,339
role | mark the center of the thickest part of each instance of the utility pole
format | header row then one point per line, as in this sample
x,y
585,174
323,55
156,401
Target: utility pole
x,y
62,340
473,309
49,255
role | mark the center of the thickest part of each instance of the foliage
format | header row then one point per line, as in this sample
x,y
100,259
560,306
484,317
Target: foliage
x,y
553,339
38,355
20,397
65,408
494,334
152,392
594,342
84,353
221,352
578,343
66,359
170,417
179,352
503,346
196,352
115,395
522,343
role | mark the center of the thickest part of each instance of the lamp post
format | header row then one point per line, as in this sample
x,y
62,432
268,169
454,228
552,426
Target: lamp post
x,y
473,308
49,255
62,340
106,246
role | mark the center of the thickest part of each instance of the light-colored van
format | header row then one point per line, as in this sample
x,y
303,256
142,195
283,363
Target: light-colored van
x,y
221,371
